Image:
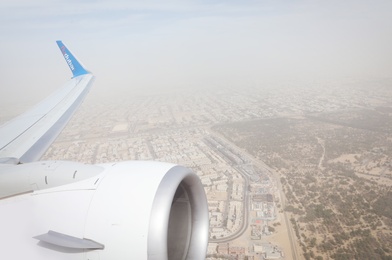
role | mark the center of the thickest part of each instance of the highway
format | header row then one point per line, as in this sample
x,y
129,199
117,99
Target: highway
x,y
245,209
272,174
290,232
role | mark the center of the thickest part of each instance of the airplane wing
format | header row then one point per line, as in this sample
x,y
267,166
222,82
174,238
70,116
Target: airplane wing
x,y
26,137
67,210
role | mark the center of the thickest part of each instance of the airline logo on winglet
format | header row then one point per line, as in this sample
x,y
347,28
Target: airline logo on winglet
x,y
66,56
75,66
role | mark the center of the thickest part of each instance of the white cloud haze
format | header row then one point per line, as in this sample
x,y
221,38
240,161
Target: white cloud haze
x,y
164,44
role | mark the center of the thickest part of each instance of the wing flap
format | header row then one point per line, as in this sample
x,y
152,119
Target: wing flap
x,y
67,241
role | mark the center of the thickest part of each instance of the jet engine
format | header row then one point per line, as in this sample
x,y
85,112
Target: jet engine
x,y
128,210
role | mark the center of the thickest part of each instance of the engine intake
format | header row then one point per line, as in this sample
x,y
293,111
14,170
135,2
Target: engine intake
x,y
128,210
149,210
178,217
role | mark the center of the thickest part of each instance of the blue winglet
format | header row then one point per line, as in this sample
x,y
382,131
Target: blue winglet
x,y
75,66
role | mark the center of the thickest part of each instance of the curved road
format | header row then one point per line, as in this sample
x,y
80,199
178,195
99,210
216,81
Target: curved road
x,y
261,165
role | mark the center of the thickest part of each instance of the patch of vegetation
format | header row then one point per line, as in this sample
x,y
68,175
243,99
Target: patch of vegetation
x,y
321,183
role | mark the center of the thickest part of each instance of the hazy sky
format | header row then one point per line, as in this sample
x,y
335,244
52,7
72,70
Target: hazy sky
x,y
163,44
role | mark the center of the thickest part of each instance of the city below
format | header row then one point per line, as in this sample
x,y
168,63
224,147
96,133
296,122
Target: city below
x,y
244,146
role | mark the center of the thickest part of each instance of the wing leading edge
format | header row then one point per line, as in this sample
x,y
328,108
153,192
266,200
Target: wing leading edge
x,y
26,137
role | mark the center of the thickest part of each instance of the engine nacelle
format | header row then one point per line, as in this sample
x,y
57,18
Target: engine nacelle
x,y
130,210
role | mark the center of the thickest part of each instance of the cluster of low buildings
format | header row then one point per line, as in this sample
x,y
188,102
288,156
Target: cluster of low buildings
x,y
241,195
255,251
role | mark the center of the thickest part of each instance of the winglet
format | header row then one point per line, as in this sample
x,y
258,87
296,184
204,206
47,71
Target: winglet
x,y
75,66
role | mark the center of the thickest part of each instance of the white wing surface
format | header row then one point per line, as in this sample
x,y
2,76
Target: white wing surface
x,y
71,211
26,137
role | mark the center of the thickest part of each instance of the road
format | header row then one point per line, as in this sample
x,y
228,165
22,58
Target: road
x,y
290,232
246,207
322,143
273,174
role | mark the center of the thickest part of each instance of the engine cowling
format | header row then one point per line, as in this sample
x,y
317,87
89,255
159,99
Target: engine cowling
x,y
134,210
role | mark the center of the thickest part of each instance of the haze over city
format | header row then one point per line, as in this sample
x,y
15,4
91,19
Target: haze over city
x,y
136,46
282,108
